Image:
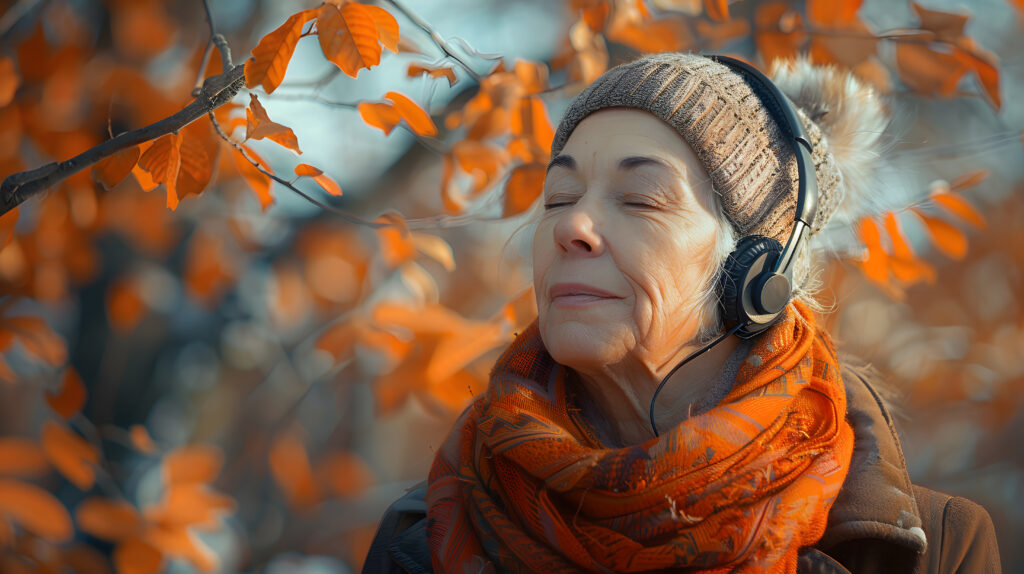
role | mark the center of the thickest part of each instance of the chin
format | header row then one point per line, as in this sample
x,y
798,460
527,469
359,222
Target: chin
x,y
580,345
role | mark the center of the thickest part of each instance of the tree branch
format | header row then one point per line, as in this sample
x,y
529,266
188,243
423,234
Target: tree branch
x,y
428,143
216,91
441,43
344,214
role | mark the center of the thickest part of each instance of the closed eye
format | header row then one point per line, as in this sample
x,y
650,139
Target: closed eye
x,y
555,204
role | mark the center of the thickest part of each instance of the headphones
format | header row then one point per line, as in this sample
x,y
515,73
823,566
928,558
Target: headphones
x,y
756,282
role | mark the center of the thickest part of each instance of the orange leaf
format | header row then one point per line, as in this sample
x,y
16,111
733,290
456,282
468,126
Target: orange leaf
x,y
271,56
192,463
832,12
983,63
436,248
7,223
163,161
442,72
524,187
70,454
84,559
418,119
482,161
21,457
968,180
190,504
134,556
927,71
71,397
532,76
125,305
290,466
778,30
395,248
876,265
430,319
179,542
349,36
209,267
38,339
200,147
8,81
35,509
596,15
640,32
112,170
382,116
948,26
717,9
452,201
905,266
144,178
141,440
325,181
947,238
958,206
338,340
258,182
259,126
110,520
457,350
346,473
387,26
532,122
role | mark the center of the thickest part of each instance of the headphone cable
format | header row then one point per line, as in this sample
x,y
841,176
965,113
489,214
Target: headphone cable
x,y
706,348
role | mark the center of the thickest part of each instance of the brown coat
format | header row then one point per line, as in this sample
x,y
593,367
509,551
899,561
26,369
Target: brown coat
x,y
880,522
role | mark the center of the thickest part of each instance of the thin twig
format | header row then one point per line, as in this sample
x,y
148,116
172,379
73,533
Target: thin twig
x,y
14,15
216,91
344,214
202,70
222,47
428,143
441,43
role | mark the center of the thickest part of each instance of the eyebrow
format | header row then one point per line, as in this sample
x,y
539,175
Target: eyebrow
x,y
626,163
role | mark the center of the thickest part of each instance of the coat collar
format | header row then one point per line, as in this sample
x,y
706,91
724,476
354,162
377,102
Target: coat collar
x,y
876,500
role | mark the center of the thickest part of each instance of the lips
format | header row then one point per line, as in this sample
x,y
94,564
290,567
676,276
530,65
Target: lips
x,y
578,294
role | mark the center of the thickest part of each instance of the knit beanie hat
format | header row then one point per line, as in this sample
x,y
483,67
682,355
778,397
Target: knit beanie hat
x,y
742,148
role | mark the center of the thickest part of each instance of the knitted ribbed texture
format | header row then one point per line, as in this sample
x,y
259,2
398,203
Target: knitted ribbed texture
x,y
750,162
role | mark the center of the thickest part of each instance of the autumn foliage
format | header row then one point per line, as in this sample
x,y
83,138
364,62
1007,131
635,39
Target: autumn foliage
x,y
209,352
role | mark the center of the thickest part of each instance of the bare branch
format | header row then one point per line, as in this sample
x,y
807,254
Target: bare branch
x,y
216,91
14,14
428,143
441,43
344,214
222,47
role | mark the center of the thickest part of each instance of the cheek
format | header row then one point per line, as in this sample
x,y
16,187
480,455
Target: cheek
x,y
668,269
540,246
542,251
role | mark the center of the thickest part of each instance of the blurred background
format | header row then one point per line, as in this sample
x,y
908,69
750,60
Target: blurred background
x,y
245,380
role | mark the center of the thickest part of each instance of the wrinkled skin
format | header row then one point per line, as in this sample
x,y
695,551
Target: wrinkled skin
x,y
643,234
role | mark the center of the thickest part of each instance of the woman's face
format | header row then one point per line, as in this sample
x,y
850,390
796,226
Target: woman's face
x,y
624,246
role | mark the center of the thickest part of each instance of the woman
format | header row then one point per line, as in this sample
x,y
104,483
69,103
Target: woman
x,y
771,455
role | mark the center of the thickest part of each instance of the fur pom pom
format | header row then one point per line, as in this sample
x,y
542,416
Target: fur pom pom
x,y
852,118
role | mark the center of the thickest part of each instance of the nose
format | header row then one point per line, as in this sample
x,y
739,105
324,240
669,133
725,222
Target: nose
x,y
576,233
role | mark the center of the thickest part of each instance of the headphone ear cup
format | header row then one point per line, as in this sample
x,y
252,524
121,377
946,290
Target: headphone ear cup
x,y
753,251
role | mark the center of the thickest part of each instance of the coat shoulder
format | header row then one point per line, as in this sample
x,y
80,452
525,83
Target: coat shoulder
x,y
400,545
961,536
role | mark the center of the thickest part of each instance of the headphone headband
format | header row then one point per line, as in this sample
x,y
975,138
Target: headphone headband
x,y
784,112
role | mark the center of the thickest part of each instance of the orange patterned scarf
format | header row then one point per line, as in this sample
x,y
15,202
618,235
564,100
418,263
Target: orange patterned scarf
x,y
524,484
